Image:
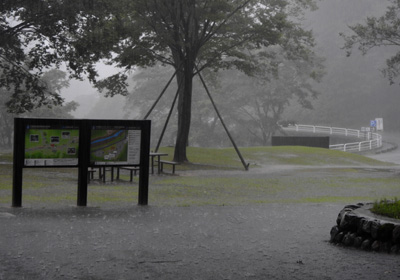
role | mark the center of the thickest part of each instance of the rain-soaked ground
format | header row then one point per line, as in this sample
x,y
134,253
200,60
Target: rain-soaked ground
x,y
272,241
266,241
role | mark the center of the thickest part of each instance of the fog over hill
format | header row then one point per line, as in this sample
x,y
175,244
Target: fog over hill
x,y
353,91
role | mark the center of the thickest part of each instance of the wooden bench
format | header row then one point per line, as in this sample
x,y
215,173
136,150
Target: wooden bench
x,y
132,169
102,173
91,172
103,170
173,163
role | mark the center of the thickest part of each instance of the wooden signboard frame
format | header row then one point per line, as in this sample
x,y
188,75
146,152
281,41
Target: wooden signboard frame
x,y
68,143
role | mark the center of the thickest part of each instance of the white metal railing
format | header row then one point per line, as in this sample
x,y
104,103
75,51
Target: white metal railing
x,y
373,140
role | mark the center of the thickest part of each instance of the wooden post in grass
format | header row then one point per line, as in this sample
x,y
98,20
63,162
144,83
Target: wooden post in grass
x,y
246,165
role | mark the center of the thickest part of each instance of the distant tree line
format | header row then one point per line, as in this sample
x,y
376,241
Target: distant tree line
x,y
55,81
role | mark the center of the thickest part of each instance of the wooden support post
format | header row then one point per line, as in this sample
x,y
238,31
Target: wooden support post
x,y
159,97
144,164
167,121
19,149
84,160
246,166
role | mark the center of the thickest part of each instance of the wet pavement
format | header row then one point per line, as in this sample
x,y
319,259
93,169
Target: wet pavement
x,y
270,241
391,139
266,241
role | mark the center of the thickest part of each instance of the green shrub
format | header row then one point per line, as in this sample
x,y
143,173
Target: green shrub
x,y
389,208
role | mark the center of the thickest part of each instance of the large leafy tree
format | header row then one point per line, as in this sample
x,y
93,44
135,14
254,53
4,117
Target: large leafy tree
x,y
285,74
55,80
36,36
190,35
375,32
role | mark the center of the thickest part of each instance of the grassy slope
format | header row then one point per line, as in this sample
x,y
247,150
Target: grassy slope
x,y
231,186
257,156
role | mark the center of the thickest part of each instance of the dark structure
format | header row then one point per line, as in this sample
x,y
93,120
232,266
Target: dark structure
x,y
43,143
308,141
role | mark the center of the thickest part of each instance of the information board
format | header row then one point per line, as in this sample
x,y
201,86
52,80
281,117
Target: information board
x,y
115,146
379,124
81,144
51,145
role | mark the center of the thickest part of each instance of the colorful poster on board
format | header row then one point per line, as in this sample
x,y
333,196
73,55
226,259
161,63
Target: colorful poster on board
x,y
113,146
47,146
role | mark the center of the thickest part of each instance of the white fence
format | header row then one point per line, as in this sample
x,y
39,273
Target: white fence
x,y
372,140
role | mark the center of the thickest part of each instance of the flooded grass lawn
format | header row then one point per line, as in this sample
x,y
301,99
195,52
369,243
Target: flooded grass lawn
x,y
53,187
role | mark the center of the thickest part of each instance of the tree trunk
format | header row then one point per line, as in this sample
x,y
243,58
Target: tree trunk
x,y
184,53
185,78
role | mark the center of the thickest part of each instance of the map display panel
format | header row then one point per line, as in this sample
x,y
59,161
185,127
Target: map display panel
x,y
47,146
115,146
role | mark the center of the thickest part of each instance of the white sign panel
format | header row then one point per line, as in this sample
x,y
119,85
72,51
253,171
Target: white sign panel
x,y
379,124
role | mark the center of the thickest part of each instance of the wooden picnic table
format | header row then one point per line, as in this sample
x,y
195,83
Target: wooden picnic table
x,y
154,157
158,156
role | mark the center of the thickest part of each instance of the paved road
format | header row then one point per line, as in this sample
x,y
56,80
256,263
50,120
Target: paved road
x,y
393,156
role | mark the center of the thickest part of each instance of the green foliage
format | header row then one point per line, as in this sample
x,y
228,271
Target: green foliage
x,y
182,32
389,208
256,103
189,35
25,27
379,32
55,81
36,35
264,42
348,78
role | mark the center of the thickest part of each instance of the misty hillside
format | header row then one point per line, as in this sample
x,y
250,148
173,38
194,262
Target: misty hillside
x,y
353,91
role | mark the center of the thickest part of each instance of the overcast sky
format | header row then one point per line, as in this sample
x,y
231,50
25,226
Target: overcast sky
x,y
78,88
